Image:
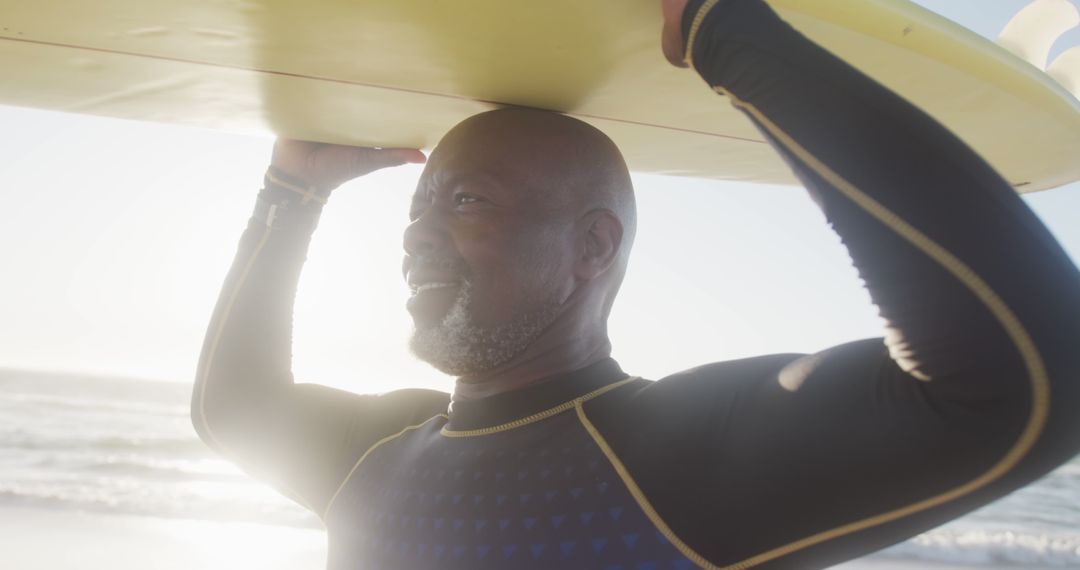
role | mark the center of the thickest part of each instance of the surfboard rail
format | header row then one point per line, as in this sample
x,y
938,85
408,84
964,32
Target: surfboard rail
x,y
401,73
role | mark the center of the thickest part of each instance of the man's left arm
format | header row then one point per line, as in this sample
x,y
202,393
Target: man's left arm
x,y
803,461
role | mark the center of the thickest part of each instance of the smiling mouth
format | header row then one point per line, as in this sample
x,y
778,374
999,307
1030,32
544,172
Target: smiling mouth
x,y
433,285
430,302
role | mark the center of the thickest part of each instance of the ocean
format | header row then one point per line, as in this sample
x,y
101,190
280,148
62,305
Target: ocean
x,y
126,446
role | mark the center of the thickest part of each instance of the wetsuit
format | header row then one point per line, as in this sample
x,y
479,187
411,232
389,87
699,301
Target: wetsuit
x,y
786,461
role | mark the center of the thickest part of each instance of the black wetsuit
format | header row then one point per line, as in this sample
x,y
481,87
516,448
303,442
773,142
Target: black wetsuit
x,y
787,461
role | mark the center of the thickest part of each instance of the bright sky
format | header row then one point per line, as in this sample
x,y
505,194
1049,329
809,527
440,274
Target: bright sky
x,y
118,235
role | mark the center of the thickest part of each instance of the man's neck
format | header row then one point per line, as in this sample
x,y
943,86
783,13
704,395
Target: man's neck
x,y
540,362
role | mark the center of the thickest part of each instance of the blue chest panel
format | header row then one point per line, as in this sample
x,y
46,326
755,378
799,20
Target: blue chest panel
x,y
538,496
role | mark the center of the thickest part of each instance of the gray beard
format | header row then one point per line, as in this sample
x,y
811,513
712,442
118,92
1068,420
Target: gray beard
x,y
459,347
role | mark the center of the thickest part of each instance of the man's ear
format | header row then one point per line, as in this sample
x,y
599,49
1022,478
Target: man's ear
x,y
600,239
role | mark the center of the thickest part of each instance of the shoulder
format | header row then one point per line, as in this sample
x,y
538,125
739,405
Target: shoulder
x,y
418,400
704,380
680,420
688,398
743,369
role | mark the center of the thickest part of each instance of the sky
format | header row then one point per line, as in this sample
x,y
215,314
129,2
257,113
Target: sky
x,y
118,235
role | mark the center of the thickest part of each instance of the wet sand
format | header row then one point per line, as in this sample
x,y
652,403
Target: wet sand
x,y
42,539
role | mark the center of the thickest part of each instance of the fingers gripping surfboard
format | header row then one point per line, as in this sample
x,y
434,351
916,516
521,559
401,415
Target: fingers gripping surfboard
x,y
402,72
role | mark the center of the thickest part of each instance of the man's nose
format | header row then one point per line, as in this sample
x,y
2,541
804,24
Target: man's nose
x,y
425,234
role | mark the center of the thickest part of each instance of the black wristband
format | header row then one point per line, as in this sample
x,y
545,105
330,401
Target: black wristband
x,y
285,204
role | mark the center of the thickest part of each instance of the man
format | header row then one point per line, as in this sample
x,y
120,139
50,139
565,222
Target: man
x,y
547,455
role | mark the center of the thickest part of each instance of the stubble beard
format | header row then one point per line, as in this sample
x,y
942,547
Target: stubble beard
x,y
458,346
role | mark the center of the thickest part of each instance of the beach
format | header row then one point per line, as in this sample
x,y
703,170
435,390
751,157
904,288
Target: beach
x,y
44,539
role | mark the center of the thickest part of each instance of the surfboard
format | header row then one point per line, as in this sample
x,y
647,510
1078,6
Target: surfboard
x,y
402,72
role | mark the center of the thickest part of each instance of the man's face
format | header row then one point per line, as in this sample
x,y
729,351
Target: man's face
x,y
488,256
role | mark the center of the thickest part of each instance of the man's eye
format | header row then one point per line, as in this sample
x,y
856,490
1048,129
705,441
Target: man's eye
x,y
462,199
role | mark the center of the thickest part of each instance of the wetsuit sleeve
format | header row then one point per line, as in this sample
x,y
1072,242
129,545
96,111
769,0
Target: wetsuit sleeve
x,y
803,461
302,438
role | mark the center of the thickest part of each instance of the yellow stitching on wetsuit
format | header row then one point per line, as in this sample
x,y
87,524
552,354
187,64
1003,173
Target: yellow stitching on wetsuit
x,y
308,193
1040,386
485,431
688,49
330,503
639,496
537,416
204,379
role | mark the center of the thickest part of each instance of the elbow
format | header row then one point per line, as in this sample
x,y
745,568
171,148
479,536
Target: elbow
x,y
1062,429
1053,406
198,415
226,410
210,409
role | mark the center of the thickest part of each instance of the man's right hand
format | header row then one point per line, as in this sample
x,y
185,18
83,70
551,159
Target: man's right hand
x,y
327,166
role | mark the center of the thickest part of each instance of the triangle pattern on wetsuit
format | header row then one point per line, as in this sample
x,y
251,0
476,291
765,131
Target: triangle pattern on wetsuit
x,y
538,496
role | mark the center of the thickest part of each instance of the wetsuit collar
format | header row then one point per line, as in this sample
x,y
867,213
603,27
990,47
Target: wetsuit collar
x,y
549,393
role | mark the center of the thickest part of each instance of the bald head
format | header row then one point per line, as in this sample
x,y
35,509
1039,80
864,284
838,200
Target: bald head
x,y
565,163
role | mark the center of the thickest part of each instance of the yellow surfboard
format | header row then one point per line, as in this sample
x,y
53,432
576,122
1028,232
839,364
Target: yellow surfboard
x,y
402,72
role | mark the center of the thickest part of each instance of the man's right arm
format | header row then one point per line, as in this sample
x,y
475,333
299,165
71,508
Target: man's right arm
x,y
302,438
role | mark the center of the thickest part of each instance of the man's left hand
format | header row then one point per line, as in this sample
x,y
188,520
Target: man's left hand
x,y
671,40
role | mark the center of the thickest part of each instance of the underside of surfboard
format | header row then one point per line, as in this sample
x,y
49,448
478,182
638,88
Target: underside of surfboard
x,y
402,72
